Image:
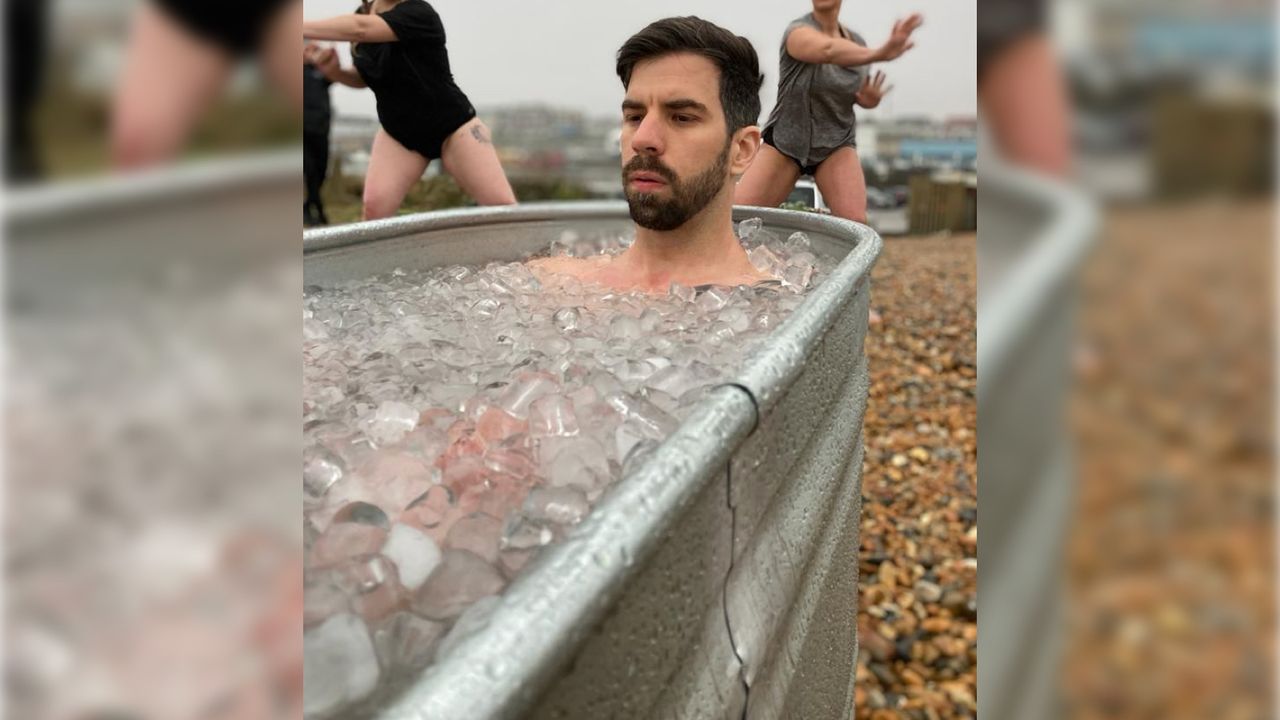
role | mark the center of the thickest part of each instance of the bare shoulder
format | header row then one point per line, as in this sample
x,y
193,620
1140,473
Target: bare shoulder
x,y
564,265
551,264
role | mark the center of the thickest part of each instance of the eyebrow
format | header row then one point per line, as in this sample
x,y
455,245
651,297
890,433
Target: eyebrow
x,y
677,104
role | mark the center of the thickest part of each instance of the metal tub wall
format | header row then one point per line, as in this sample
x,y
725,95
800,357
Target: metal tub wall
x,y
718,577
110,233
1034,236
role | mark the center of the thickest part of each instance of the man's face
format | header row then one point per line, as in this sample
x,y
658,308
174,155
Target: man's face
x,y
675,146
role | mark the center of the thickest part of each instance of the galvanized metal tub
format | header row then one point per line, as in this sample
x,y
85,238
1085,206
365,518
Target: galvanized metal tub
x,y
717,579
1034,235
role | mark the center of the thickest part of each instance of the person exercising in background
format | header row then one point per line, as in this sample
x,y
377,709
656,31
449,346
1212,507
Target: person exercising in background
x,y
26,22
180,57
1022,90
316,115
398,49
822,75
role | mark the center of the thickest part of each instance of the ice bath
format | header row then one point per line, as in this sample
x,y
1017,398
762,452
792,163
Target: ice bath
x,y
481,437
458,419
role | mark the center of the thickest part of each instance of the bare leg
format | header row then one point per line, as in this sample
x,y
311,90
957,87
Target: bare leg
x,y
393,169
1024,98
281,48
768,181
469,157
841,182
170,78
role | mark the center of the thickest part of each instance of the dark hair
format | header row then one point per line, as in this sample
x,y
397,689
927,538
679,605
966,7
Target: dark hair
x,y
739,66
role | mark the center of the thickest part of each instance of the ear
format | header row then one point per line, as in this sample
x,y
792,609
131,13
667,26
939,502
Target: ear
x,y
743,149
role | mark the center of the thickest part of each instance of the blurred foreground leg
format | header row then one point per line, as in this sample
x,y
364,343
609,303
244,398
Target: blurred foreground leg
x,y
170,78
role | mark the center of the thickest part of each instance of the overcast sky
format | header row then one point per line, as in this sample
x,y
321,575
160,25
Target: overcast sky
x,y
562,52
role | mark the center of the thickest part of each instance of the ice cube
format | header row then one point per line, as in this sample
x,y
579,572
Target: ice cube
x,y
322,597
473,620
496,425
763,259
396,479
514,461
321,469
650,320
479,533
674,381
765,320
561,505
391,422
431,508
406,642
344,541
526,388
628,436
640,411
803,258
362,512
712,299
340,664
664,401
798,242
461,579
749,227
425,442
523,533
578,462
624,327
797,276
373,584
567,318
415,554
486,308
736,318
720,333
552,415
682,293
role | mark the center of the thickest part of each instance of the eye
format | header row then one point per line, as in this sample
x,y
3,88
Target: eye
x,y
632,117
684,118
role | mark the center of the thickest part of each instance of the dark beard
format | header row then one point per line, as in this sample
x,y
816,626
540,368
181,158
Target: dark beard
x,y
652,212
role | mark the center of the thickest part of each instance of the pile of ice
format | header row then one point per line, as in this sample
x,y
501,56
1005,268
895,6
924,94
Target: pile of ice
x,y
459,419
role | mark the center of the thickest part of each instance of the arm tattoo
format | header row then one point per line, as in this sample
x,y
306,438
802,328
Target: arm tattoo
x,y
478,133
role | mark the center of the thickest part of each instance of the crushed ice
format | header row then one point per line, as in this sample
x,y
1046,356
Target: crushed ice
x,y
457,420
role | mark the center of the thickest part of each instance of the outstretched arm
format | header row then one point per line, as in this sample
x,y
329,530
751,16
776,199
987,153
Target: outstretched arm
x,y
326,60
809,45
352,28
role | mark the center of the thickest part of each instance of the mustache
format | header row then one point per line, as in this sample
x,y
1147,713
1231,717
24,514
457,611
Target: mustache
x,y
648,163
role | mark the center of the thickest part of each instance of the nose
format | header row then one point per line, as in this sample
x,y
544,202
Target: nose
x,y
647,139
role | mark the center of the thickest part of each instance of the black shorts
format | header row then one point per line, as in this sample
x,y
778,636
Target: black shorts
x,y
1002,22
767,136
428,140
237,26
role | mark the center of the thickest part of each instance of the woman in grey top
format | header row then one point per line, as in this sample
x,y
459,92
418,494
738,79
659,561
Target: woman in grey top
x,y
822,73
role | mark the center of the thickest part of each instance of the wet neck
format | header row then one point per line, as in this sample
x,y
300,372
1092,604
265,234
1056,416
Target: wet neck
x,y
703,248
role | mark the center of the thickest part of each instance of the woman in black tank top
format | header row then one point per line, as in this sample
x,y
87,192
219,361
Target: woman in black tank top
x,y
398,51
181,55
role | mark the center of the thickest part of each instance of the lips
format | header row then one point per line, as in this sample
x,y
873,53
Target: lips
x,y
646,180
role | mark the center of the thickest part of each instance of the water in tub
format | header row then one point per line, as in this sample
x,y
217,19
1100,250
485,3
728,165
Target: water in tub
x,y
458,420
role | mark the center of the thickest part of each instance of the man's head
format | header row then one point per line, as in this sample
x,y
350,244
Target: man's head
x,y
689,117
